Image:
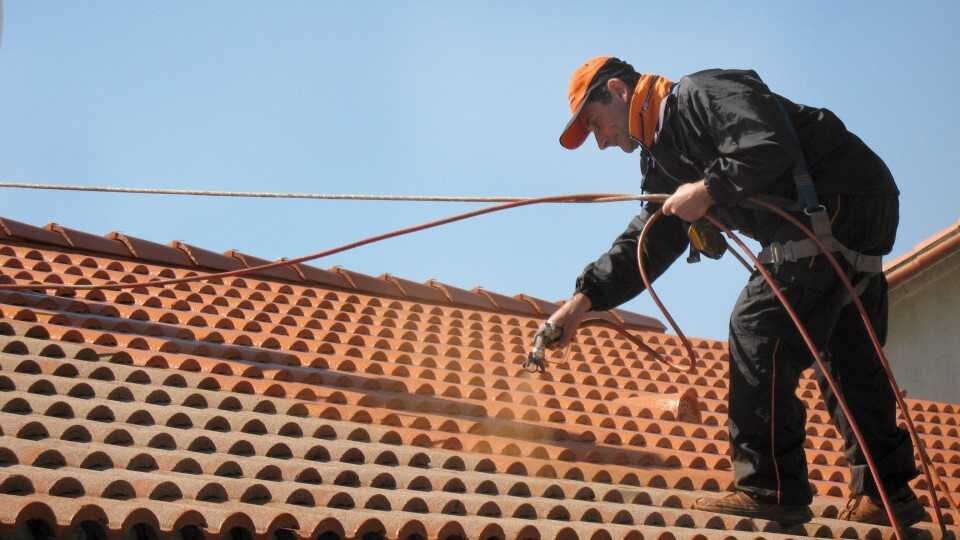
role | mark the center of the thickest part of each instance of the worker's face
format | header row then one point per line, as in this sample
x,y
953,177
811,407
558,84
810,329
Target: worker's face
x,y
609,121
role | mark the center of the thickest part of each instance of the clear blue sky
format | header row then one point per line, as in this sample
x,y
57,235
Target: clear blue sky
x,y
433,98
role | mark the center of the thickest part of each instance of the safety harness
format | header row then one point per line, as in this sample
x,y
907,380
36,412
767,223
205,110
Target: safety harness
x,y
809,204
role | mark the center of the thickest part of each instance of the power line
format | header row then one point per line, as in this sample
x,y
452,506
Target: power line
x,y
264,194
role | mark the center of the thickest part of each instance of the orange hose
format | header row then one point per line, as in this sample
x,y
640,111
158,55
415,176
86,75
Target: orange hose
x,y
876,345
819,360
888,508
653,294
586,197
686,342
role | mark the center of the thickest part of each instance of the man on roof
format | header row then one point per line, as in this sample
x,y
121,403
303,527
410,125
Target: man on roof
x,y
713,139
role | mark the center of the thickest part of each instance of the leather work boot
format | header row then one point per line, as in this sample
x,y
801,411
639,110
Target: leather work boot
x,y
740,503
865,509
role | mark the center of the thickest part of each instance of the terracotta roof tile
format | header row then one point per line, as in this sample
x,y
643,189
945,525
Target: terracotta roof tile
x,y
208,259
323,277
22,231
150,251
540,306
635,319
505,303
462,297
364,282
282,272
310,403
932,250
88,242
417,291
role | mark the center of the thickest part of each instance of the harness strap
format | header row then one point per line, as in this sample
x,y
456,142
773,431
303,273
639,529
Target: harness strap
x,y
821,223
779,252
860,288
819,220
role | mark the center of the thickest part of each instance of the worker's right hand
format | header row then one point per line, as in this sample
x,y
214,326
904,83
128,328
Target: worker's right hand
x,y
568,318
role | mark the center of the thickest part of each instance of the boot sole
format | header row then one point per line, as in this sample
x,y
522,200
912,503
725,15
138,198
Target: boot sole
x,y
906,517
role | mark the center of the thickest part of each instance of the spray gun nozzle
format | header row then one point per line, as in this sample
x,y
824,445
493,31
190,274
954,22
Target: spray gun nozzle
x,y
546,336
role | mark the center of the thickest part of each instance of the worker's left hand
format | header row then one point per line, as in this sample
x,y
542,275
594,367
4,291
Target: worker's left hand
x,y
690,202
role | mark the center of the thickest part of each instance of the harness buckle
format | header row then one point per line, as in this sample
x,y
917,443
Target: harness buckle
x,y
777,254
814,209
780,253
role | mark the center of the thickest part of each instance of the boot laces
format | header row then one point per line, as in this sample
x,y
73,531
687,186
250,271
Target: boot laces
x,y
852,503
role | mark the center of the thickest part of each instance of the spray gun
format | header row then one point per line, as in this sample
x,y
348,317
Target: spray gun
x,y
546,335
705,239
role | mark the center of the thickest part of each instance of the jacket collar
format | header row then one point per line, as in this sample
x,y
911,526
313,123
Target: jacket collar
x,y
646,108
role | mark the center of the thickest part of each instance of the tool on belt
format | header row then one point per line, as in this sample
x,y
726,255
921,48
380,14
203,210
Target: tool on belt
x,y
546,336
705,239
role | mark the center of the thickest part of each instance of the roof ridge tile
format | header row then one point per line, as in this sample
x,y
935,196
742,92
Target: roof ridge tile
x,y
80,240
629,318
320,276
279,272
294,267
542,307
417,291
150,251
458,296
505,302
368,284
206,258
23,231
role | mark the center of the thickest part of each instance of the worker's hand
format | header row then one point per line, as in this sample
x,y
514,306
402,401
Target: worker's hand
x,y
568,318
690,202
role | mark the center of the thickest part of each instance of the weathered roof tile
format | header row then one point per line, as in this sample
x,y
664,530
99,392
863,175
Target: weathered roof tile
x,y
334,404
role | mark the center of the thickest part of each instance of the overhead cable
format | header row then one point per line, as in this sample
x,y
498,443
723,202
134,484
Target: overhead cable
x,y
269,194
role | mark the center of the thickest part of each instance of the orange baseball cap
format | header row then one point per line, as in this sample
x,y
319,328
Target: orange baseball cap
x,y
582,83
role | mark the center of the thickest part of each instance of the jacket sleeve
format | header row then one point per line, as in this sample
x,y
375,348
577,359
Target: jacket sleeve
x,y
755,145
614,278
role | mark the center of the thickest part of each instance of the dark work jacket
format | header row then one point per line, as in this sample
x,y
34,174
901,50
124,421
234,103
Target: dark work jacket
x,y
727,127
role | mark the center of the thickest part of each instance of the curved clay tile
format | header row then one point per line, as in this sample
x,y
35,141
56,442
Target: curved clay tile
x,y
16,484
370,378
67,487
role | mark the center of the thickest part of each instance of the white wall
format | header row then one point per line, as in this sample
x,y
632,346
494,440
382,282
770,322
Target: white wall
x,y
923,343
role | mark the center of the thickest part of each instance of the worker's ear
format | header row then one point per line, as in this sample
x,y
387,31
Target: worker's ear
x,y
618,88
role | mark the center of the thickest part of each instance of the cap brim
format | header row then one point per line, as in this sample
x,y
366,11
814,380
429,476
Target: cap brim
x,y
575,133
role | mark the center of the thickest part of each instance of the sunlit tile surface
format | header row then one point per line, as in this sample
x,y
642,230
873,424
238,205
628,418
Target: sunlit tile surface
x,y
309,403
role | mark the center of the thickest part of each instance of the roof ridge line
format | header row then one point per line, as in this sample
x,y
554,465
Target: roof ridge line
x,y
924,255
180,254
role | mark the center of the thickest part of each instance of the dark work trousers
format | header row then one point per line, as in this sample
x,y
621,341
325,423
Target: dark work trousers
x,y
767,355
